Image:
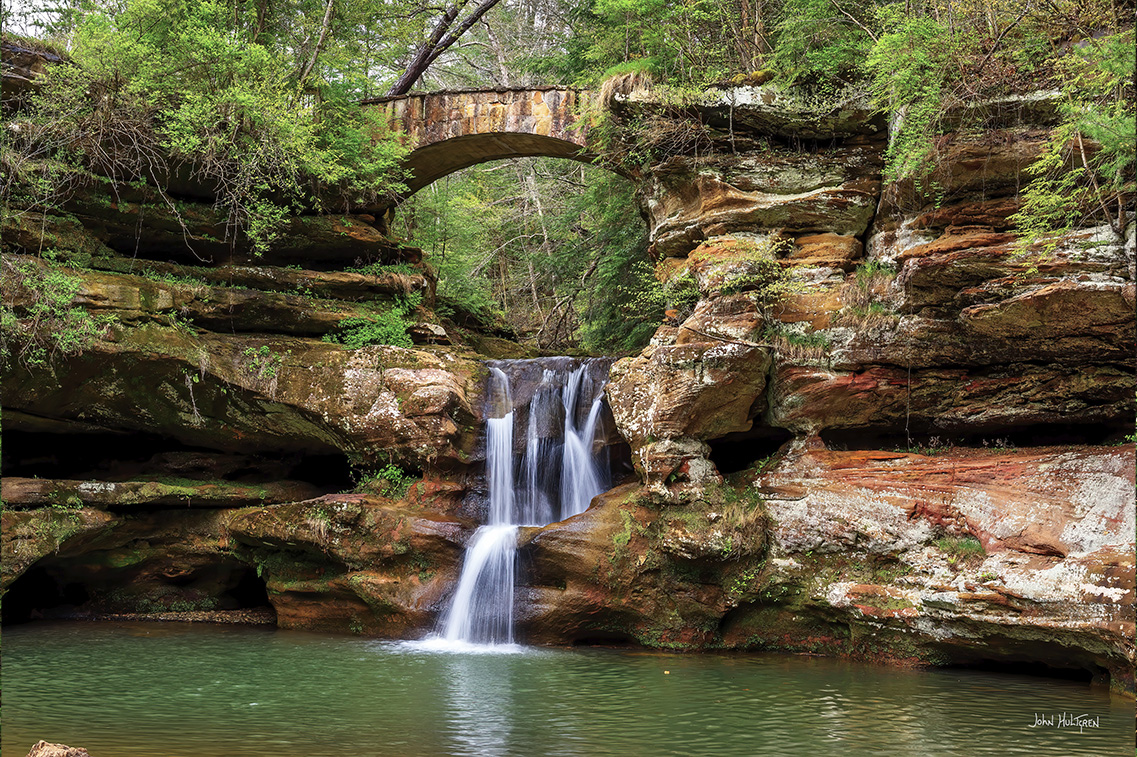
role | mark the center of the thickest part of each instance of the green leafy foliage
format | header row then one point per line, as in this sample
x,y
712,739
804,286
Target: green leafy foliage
x,y
694,41
157,85
909,69
649,299
389,481
756,269
556,245
388,327
613,236
1086,172
685,41
42,321
819,49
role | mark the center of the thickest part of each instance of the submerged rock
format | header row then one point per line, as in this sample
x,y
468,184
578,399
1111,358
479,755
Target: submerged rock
x,y
44,749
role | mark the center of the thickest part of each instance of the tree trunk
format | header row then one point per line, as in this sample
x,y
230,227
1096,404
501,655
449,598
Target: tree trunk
x,y
445,34
324,26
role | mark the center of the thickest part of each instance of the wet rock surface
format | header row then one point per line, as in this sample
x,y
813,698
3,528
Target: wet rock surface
x,y
961,556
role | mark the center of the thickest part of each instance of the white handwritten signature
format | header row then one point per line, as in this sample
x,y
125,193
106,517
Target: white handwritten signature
x,y
1067,720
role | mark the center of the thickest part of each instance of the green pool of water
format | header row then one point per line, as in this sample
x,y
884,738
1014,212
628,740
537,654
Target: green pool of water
x,y
173,690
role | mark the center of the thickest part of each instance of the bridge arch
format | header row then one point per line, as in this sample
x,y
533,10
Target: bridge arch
x,y
450,131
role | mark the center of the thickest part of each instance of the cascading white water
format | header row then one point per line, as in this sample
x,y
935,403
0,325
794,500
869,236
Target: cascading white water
x,y
482,609
580,481
560,474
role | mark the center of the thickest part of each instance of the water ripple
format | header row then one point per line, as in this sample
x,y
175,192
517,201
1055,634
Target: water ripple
x,y
140,690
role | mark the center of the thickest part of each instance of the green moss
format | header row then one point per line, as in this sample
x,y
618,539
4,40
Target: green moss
x,y
378,604
621,538
660,637
888,603
960,548
744,581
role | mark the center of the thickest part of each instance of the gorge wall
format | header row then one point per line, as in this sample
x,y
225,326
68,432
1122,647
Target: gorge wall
x,y
878,432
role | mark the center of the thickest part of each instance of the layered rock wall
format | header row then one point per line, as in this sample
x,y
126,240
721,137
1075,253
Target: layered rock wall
x,y
918,362
880,431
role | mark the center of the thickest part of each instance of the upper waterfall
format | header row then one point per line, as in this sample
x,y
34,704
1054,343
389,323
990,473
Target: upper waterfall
x,y
552,409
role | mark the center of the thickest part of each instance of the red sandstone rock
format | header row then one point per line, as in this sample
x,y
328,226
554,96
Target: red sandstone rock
x,y
670,398
1056,524
728,318
699,391
809,398
827,250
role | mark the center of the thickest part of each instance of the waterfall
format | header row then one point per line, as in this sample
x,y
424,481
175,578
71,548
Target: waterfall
x,y
558,474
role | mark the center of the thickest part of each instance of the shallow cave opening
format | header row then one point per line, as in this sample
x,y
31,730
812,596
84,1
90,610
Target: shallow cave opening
x,y
224,584
39,593
1037,669
78,587
604,639
737,452
31,454
1035,435
331,473
248,592
129,456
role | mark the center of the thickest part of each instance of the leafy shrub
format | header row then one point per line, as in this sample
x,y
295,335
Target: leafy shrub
x,y
909,69
46,324
1086,171
758,270
651,300
159,85
820,51
389,481
388,327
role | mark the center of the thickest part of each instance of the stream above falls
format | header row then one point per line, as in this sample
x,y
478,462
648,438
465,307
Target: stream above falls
x,y
201,690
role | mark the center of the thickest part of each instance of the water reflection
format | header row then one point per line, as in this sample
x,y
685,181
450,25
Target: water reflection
x,y
481,713
204,691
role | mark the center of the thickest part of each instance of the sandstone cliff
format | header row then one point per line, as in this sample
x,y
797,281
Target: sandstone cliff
x,y
910,448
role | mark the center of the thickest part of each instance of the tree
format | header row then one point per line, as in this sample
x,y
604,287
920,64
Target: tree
x,y
253,98
447,30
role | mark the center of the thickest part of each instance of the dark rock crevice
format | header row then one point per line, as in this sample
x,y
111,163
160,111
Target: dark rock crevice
x,y
73,459
1000,437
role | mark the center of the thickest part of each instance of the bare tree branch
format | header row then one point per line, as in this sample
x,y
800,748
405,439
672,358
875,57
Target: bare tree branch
x,y
324,26
446,32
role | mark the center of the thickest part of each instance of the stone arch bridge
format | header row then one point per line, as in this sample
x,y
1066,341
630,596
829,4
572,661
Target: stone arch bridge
x,y
453,130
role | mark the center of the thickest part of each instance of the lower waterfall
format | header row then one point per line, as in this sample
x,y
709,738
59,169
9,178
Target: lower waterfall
x,y
555,475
